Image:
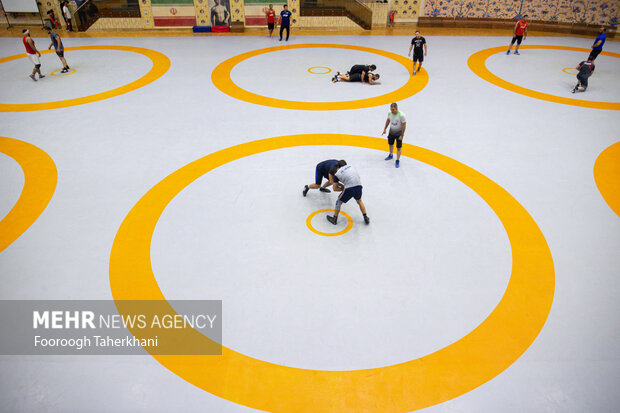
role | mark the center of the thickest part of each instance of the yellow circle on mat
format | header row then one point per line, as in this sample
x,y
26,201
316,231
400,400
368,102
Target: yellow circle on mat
x,y
607,176
161,64
222,80
477,64
40,177
319,67
462,366
58,72
566,70
329,234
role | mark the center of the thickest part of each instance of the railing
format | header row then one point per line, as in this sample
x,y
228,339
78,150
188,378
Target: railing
x,y
354,9
90,11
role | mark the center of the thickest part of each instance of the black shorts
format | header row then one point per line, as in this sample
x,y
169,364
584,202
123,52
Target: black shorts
x,y
348,193
519,39
318,176
355,77
583,81
594,54
418,57
392,138
61,53
270,26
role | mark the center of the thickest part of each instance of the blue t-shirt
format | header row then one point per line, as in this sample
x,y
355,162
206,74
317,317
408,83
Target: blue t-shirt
x,y
602,37
286,17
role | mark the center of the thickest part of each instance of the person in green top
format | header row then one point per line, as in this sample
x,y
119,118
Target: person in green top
x,y
398,123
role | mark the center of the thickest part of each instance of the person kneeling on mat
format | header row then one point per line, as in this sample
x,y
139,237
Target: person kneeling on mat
x,y
585,71
348,181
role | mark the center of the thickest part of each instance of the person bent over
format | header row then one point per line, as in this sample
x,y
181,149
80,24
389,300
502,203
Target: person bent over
x,y
585,71
322,171
348,181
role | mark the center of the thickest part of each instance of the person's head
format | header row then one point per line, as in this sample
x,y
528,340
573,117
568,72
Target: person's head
x,y
375,76
48,29
417,33
271,7
524,17
590,60
26,32
602,30
339,165
394,108
371,68
286,7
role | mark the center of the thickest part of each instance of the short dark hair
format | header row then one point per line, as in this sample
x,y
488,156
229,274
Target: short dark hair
x,y
377,76
286,5
417,31
524,16
24,31
342,162
372,67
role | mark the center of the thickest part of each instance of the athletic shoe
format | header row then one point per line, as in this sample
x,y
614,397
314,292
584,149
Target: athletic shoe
x,y
338,73
41,76
332,219
413,73
306,189
508,52
517,52
366,220
33,78
390,156
397,164
64,71
324,190
334,79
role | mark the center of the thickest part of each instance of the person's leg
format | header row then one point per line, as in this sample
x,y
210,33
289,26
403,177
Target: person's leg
x,y
584,84
519,39
358,198
64,63
399,145
391,146
288,31
281,30
37,69
514,39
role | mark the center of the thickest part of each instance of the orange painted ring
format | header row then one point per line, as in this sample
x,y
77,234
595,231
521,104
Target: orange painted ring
x,y
319,67
329,234
221,79
447,373
40,177
477,64
161,64
607,176
59,74
566,70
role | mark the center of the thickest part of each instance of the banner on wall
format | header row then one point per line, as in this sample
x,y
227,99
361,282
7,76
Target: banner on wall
x,y
255,11
173,13
20,6
219,12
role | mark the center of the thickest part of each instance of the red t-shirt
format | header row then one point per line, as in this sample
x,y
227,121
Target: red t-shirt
x,y
28,48
521,26
271,16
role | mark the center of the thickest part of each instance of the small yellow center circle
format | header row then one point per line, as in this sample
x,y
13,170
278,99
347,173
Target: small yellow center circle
x,y
329,234
319,67
59,72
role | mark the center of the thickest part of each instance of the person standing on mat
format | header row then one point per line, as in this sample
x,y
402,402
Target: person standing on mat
x,y
285,22
67,15
270,17
519,34
597,47
322,171
416,44
349,182
59,48
33,54
585,71
398,123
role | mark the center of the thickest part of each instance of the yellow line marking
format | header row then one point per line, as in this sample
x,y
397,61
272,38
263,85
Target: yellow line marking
x,y
222,80
161,64
319,67
477,64
607,176
329,234
40,176
462,366
566,70
58,72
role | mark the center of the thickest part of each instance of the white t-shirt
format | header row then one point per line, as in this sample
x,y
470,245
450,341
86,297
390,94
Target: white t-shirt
x,y
66,11
348,176
396,122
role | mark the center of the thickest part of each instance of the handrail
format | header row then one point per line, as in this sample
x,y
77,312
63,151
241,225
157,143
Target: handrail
x,y
355,10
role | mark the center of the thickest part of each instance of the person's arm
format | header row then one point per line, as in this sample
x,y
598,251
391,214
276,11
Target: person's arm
x,y
410,47
371,81
525,33
579,66
267,17
402,132
31,43
363,74
50,46
597,42
592,71
387,123
425,49
514,32
330,181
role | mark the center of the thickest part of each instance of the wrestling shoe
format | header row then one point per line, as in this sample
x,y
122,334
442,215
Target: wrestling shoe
x,y
41,76
64,71
397,164
390,156
33,78
306,189
324,190
332,219
517,52
508,52
366,220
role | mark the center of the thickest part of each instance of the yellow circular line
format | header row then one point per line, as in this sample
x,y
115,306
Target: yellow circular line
x,y
445,374
607,176
222,80
40,176
161,64
477,64
55,72
566,70
319,67
329,234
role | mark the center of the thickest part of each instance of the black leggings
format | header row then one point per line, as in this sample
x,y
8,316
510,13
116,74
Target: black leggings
x,y
282,27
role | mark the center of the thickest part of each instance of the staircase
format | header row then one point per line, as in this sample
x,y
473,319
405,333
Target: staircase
x,y
352,9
